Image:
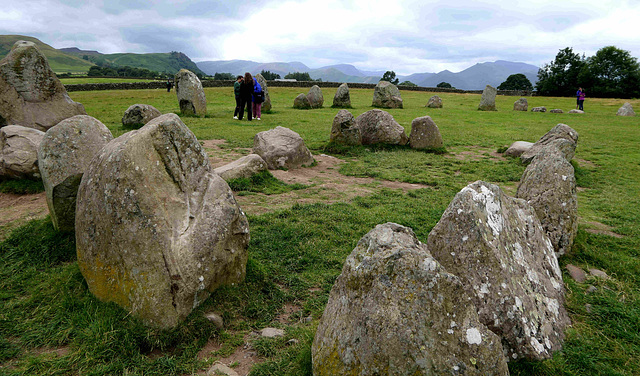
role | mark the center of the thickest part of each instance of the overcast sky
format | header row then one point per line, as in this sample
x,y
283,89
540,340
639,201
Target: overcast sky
x,y
402,35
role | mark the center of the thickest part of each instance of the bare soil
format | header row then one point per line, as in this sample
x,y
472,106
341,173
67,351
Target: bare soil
x,y
602,229
16,210
242,359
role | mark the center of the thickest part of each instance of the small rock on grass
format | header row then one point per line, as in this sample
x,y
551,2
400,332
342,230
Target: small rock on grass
x,y
219,369
598,273
216,319
576,273
271,332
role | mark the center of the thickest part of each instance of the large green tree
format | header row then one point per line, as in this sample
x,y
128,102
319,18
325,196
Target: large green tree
x,y
299,76
612,72
390,76
268,75
561,76
444,85
516,81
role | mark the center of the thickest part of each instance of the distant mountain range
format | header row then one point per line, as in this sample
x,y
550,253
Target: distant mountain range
x,y
472,78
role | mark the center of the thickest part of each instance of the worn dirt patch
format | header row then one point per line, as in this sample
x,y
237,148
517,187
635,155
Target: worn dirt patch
x,y
15,210
585,163
242,359
474,153
55,351
287,311
219,156
601,229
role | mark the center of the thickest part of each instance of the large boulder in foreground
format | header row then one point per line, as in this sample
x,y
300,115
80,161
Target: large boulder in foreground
x,y
138,115
19,152
266,105
395,310
521,105
425,134
282,148
344,130
301,102
315,97
30,93
244,167
549,185
488,99
156,229
342,99
560,131
379,127
63,157
190,93
497,246
386,95
626,110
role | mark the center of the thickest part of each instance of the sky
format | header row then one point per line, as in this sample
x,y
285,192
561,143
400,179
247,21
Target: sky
x,y
376,35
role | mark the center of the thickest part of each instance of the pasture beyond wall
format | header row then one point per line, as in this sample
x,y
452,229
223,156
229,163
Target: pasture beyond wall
x,y
305,84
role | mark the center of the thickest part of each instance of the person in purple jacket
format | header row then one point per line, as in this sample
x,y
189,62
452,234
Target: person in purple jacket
x,y
581,100
578,98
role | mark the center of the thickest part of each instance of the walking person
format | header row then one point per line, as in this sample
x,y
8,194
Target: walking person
x,y
578,98
581,100
258,98
169,85
236,92
246,94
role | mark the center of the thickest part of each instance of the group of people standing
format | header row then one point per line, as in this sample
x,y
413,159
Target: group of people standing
x,y
248,94
580,94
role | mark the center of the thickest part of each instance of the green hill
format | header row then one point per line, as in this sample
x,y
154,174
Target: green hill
x,y
170,62
59,61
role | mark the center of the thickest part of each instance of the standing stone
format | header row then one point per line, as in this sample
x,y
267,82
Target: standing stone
x,y
497,246
379,127
342,99
344,129
394,310
626,110
521,105
138,115
386,95
190,93
549,185
539,109
30,93
244,167
435,102
488,100
560,131
301,102
266,105
19,152
156,229
316,100
282,148
517,148
425,134
63,157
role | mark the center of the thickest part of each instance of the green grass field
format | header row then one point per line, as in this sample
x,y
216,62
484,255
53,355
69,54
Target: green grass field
x,y
97,80
51,325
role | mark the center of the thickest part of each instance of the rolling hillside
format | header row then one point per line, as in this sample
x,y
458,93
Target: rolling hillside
x,y
59,61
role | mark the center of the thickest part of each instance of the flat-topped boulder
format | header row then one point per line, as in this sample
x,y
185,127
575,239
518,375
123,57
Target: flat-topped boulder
x,y
379,127
301,102
488,99
394,310
31,95
434,102
315,98
549,185
244,167
63,157
521,105
556,111
156,229
138,115
517,148
282,148
342,99
496,245
560,131
266,105
344,129
190,93
626,110
19,152
574,111
425,134
539,109
386,95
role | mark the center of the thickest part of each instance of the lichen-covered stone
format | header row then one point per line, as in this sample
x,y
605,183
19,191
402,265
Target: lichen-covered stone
x,y
521,105
517,148
156,229
342,99
549,185
539,109
560,131
282,148
30,93
344,130
190,93
574,111
19,152
266,105
556,111
138,115
379,127
488,99
244,167
386,95
626,110
64,155
434,102
301,102
497,246
315,98
425,134
394,310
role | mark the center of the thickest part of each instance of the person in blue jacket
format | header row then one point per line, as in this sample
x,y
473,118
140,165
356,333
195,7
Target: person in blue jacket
x,y
258,98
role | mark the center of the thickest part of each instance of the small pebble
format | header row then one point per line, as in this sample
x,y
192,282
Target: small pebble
x,y
592,289
588,307
272,332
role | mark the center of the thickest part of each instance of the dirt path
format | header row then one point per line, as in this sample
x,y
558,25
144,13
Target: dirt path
x,y
15,210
